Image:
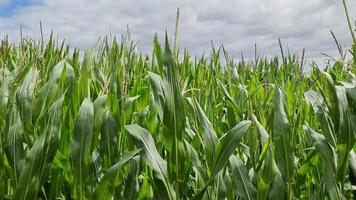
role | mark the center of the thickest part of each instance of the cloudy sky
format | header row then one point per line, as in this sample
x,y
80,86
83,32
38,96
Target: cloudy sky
x,y
238,24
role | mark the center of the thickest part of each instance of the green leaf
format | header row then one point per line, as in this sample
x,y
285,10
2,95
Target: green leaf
x,y
207,132
228,144
4,97
14,148
40,156
345,137
25,98
322,111
157,90
269,176
109,140
80,154
227,94
106,187
151,156
244,187
158,53
132,186
100,109
225,149
328,156
173,115
283,140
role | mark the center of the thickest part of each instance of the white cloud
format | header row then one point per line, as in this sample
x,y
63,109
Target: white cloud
x,y
236,23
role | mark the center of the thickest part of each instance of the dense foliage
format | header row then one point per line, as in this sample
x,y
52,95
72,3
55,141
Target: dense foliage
x,y
126,126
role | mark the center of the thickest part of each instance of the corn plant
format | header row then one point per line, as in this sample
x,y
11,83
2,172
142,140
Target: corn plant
x,y
119,124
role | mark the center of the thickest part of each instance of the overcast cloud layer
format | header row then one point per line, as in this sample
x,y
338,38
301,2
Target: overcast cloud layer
x,y
238,24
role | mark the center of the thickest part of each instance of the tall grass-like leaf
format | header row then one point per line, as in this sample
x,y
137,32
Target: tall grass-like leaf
x,y
40,156
100,109
275,191
29,181
221,190
226,147
24,99
331,99
83,84
80,154
321,110
50,90
129,106
228,144
328,155
174,116
158,95
14,148
208,134
173,111
269,174
346,137
227,94
283,140
132,186
4,97
109,140
244,187
158,53
151,156
106,187
351,98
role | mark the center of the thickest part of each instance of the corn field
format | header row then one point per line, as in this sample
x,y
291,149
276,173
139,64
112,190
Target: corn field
x,y
118,124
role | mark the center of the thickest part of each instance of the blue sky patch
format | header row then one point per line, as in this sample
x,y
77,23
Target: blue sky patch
x,y
10,8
